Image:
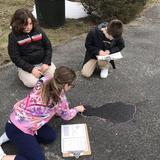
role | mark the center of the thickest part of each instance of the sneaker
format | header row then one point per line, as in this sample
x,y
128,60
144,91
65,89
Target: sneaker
x,y
2,154
3,138
104,73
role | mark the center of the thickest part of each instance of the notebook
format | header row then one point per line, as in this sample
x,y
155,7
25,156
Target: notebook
x,y
75,140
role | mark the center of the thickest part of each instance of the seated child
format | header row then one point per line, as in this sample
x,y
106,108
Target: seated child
x,y
28,121
103,40
29,48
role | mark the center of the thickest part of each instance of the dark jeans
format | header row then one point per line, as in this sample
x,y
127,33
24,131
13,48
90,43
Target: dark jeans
x,y
28,145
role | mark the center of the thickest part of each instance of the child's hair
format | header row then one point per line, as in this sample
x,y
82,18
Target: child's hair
x,y
20,19
53,88
115,28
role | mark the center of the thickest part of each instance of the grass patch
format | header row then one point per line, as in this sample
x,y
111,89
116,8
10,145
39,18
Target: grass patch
x,y
70,29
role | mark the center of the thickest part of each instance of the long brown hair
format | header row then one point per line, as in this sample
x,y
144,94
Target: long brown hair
x,y
20,19
53,88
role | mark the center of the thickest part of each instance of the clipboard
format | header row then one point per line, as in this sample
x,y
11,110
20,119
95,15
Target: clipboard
x,y
75,144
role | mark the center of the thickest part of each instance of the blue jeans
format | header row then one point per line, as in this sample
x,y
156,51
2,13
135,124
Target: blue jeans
x,y
28,145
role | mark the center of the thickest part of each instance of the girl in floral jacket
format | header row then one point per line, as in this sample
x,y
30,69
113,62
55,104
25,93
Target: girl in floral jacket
x,y
28,120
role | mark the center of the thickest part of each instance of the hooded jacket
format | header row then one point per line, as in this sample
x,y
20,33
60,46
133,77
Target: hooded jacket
x,y
28,49
96,41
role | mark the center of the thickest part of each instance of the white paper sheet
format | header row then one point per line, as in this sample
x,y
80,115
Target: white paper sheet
x,y
73,138
114,56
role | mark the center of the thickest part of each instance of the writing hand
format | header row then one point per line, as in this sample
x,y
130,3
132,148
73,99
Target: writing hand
x,y
104,53
80,108
107,52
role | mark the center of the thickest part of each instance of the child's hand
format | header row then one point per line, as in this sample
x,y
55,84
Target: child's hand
x,y
103,53
80,108
36,72
44,68
107,52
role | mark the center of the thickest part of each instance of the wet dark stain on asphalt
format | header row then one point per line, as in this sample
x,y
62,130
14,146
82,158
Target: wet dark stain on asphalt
x,y
117,112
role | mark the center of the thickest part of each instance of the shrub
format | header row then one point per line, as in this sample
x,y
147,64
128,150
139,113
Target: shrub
x,y
125,10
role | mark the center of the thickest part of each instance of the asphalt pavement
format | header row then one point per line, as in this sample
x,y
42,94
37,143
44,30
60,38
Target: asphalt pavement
x,y
136,81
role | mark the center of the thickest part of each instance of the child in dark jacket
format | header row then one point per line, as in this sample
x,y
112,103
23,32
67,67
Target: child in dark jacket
x,y
29,48
103,40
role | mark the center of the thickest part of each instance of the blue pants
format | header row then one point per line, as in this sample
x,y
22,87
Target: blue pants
x,y
28,145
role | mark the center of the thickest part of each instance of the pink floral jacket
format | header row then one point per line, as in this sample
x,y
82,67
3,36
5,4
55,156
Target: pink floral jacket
x,y
30,113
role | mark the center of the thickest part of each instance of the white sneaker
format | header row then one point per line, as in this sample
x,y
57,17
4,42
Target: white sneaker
x,y
2,154
3,138
104,73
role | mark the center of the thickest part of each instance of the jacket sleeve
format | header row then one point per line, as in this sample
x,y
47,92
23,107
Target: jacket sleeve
x,y
63,110
14,54
48,49
89,43
118,46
